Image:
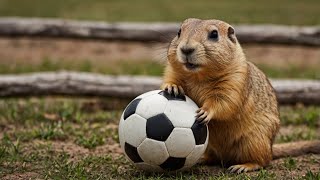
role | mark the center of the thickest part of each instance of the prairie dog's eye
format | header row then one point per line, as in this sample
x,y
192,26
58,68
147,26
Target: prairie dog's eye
x,y
213,35
179,32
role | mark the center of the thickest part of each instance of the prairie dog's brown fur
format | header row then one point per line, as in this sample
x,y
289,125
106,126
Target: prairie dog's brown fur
x,y
206,62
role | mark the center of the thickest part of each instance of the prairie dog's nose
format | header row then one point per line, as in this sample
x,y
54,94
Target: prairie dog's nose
x,y
187,50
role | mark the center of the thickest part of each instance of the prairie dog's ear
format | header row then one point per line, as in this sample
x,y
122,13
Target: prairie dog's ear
x,y
232,35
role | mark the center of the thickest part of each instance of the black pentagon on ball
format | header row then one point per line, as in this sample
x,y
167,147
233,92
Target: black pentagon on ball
x,y
131,108
173,163
199,132
159,127
132,153
171,97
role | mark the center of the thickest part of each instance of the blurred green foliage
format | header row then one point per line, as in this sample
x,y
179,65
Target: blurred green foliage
x,y
295,12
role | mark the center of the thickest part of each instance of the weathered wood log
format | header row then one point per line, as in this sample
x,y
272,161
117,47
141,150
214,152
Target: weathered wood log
x,y
75,84
90,84
150,32
297,91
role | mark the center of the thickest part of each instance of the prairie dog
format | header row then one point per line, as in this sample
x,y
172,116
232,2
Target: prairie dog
x,y
236,100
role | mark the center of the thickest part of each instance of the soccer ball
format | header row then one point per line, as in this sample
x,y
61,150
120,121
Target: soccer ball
x,y
158,132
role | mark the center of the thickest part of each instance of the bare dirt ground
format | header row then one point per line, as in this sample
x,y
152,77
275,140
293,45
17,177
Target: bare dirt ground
x,y
36,49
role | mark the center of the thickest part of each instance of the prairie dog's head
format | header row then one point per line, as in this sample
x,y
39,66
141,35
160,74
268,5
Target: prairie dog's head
x,y
203,44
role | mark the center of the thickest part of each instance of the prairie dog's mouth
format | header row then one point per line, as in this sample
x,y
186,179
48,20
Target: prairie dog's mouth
x,y
190,62
191,66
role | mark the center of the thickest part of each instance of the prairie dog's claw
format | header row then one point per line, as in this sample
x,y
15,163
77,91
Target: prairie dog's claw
x,y
241,168
203,116
169,88
181,91
173,89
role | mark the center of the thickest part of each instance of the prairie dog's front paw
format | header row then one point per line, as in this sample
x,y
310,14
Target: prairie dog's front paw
x,y
173,88
204,115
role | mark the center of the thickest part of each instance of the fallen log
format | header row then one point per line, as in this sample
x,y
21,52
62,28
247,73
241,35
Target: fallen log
x,y
90,84
150,32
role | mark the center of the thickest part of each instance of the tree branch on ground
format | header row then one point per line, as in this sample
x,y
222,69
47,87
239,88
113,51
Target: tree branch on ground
x,y
150,32
91,84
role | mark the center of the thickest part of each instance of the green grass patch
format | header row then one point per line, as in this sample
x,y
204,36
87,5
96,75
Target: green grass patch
x,y
300,115
312,175
242,11
298,136
50,132
141,67
292,71
290,163
61,119
9,148
45,131
90,142
303,120
34,111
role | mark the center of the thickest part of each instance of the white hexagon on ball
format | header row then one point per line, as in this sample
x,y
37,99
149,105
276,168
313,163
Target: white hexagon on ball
x,y
136,125
180,143
181,113
153,152
151,105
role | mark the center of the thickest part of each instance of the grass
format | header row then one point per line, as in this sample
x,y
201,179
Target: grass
x,y
291,71
66,138
242,11
90,142
52,165
310,175
300,115
48,164
298,135
306,118
57,120
290,163
141,67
